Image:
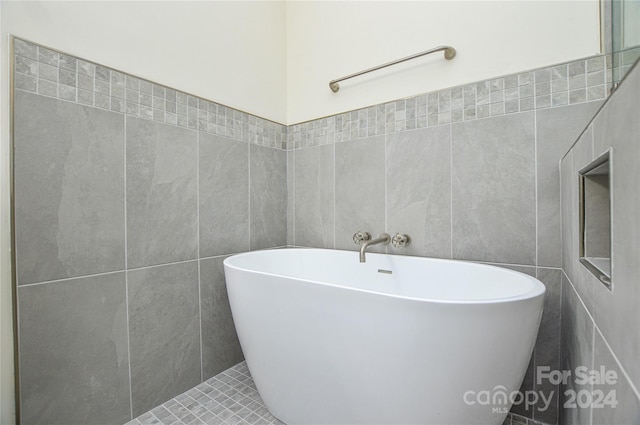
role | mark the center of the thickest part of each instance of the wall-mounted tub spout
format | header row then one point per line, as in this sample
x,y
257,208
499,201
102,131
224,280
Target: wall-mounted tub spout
x,y
384,239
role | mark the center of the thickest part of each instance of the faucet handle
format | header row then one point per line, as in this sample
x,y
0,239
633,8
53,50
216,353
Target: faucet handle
x,y
400,240
361,237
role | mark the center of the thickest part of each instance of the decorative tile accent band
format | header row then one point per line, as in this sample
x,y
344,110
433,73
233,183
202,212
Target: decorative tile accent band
x,y
574,82
50,73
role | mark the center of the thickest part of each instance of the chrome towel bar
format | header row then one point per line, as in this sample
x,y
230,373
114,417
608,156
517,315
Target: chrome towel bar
x,y
449,53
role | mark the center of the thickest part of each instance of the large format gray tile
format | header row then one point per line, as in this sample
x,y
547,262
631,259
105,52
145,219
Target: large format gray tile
x,y
224,195
314,197
220,345
418,167
161,193
625,404
74,367
268,204
69,189
494,189
616,312
576,351
360,197
556,130
164,333
547,351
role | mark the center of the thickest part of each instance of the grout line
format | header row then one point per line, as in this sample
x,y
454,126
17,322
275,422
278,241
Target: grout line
x,y
535,181
25,285
451,190
136,268
504,264
223,255
559,348
562,242
126,265
293,195
384,210
126,295
271,247
334,197
198,248
162,265
593,142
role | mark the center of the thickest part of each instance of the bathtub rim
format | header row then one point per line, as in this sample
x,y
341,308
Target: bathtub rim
x,y
537,291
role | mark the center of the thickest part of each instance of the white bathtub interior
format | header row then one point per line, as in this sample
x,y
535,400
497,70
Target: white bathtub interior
x,y
408,279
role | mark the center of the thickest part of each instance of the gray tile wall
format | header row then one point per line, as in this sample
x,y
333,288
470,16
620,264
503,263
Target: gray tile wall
x,y
480,187
124,214
178,190
164,333
359,189
162,193
268,195
493,189
601,327
69,185
418,167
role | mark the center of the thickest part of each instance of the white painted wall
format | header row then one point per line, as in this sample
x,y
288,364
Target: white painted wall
x,y
231,52
327,40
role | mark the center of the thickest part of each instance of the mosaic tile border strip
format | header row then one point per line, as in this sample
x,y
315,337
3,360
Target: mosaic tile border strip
x,y
50,73
580,81
54,74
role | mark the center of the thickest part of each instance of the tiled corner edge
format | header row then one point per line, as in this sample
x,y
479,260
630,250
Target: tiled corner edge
x,y
54,74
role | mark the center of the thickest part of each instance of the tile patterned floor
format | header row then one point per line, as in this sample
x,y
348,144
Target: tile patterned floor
x,y
229,398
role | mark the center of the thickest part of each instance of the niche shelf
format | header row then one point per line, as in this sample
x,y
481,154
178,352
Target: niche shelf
x,y
595,218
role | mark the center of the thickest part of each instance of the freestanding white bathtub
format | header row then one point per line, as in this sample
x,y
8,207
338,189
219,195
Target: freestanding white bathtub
x,y
395,340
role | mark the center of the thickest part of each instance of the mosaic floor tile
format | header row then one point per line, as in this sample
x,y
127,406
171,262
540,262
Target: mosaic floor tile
x,y
230,398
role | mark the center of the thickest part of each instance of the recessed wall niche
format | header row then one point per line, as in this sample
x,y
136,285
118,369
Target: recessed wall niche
x,y
595,218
